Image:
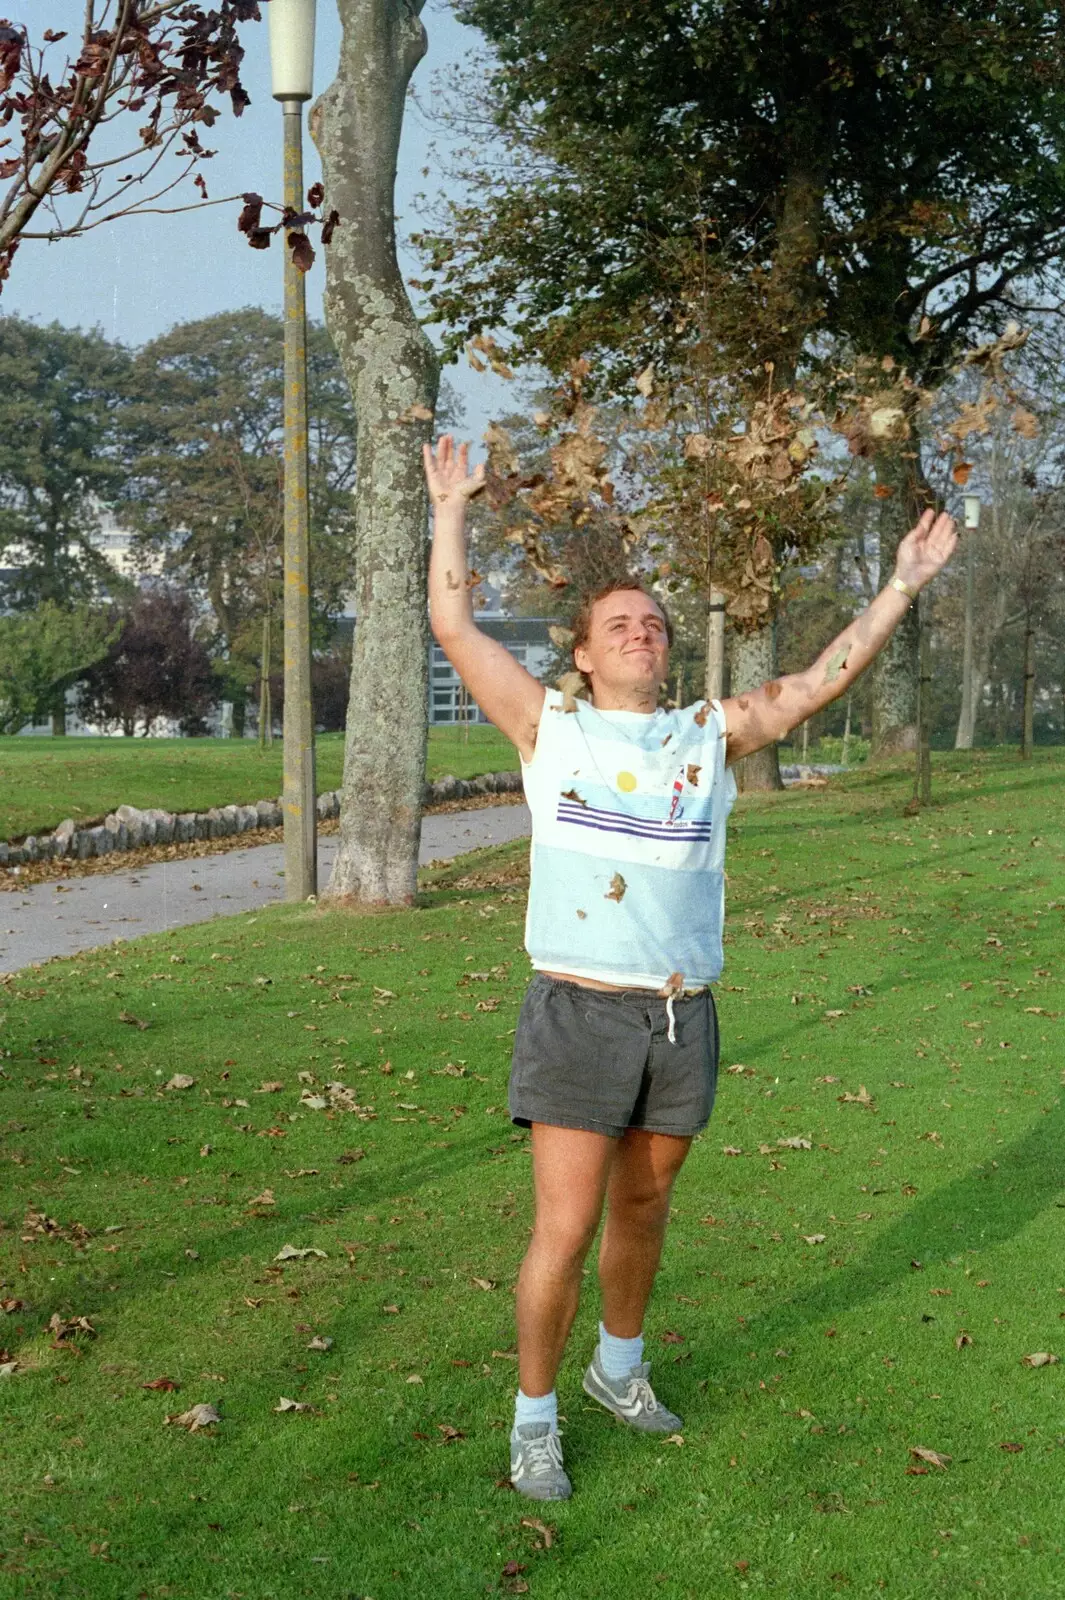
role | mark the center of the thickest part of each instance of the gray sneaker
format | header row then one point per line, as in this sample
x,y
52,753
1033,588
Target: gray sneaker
x,y
536,1469
631,1398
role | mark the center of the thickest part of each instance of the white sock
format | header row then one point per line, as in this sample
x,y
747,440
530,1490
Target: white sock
x,y
617,1357
536,1408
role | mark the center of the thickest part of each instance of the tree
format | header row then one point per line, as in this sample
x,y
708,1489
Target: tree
x,y
394,377
203,442
155,667
160,63
60,392
41,653
830,172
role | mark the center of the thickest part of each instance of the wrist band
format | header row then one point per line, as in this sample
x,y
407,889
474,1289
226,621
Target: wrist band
x,y
903,587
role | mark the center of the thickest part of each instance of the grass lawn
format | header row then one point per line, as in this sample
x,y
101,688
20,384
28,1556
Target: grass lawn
x,y
44,780
893,996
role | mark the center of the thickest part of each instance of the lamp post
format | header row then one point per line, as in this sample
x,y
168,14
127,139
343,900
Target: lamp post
x,y
292,64
965,729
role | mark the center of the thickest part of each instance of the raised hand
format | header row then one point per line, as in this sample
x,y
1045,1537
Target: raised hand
x,y
926,549
447,472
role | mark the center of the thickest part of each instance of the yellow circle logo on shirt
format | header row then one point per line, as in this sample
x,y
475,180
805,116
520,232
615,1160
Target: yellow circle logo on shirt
x,y
626,782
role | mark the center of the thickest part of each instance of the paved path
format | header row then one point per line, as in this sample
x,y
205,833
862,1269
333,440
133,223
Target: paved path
x,y
66,915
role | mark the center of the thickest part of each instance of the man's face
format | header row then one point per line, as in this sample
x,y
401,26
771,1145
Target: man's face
x,y
627,647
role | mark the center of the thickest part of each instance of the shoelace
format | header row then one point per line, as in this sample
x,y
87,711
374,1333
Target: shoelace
x,y
543,1453
640,1389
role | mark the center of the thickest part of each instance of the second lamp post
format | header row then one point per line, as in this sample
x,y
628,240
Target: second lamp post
x,y
292,63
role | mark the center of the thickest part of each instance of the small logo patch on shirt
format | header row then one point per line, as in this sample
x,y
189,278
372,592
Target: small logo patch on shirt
x,y
626,782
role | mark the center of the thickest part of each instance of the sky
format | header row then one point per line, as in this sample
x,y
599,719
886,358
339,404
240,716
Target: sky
x,y
135,278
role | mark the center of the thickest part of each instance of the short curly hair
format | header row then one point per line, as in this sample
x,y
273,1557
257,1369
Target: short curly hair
x,y
582,620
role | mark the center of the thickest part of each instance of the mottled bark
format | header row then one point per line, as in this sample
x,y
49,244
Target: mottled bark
x,y
394,375
752,663
895,669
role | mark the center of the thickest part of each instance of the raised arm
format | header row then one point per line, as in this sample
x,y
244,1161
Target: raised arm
x,y
507,694
767,714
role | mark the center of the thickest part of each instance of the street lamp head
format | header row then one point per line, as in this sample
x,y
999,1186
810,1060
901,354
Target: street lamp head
x,y
292,48
972,503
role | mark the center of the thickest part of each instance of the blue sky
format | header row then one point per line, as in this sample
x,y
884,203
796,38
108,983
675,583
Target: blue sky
x,y
135,278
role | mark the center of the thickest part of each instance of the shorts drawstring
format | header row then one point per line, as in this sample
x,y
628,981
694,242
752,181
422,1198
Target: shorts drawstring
x,y
672,1034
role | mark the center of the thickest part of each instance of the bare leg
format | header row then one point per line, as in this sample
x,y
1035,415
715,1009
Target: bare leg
x,y
570,1171
641,1182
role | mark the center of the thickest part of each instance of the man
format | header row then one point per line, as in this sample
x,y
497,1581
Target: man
x,y
615,1053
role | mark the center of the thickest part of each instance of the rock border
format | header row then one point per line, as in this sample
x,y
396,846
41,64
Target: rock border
x,y
128,828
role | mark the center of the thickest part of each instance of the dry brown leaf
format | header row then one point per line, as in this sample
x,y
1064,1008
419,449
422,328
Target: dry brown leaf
x,y
814,1238
961,473
1025,423
272,1087
450,1434
290,1252
264,1199
617,888
162,1383
180,1080
285,1404
1041,1358
483,1283
932,1457
546,1532
197,1417
963,1341
321,1341
134,1022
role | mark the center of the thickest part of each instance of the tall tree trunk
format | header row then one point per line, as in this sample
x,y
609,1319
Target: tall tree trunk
x,y
58,711
394,375
753,662
1028,718
895,668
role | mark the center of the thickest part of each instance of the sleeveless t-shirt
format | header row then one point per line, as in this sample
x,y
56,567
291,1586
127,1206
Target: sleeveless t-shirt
x,y
628,843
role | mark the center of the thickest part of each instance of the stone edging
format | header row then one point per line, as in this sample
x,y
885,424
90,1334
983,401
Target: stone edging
x,y
127,828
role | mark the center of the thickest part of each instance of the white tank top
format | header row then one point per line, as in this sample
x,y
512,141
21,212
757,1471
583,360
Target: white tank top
x,y
628,847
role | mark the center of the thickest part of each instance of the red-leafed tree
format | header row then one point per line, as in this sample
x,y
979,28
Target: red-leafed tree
x,y
156,667
65,100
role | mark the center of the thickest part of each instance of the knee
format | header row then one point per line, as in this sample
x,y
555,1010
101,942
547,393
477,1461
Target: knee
x,y
563,1241
644,1209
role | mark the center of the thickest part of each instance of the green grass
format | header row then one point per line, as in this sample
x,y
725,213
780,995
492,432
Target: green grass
x,y
918,957
44,780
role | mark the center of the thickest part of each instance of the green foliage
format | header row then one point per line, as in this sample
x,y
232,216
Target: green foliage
x,y
813,169
204,434
60,397
42,651
862,948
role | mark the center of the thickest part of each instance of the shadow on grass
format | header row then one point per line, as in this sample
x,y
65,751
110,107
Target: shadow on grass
x,y
986,1208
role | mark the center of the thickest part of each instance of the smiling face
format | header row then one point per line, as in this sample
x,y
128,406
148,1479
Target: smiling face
x,y
625,653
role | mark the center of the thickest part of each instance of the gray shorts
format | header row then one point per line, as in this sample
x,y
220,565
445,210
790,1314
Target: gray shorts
x,y
604,1062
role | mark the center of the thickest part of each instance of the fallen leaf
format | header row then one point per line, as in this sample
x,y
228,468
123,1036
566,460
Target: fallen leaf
x,y
264,1199
617,888
134,1022
963,1341
795,1144
814,1238
483,1283
290,1252
932,1457
285,1404
321,1341
69,1327
1013,1448
390,1311
731,1150
862,1098
669,1337
450,1434
161,1383
1041,1358
180,1080
200,1416
546,1532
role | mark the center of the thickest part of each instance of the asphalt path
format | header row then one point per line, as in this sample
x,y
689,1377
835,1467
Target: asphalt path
x,y
64,916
